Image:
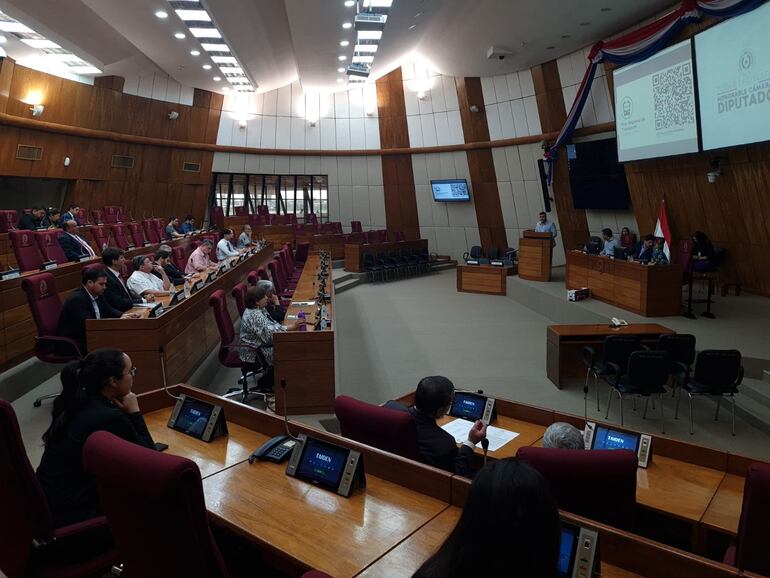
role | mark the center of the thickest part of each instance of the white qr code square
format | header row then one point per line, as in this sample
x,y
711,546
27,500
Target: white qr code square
x,y
672,91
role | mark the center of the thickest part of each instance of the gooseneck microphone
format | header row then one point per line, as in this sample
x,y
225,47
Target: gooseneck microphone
x,y
162,355
485,447
285,411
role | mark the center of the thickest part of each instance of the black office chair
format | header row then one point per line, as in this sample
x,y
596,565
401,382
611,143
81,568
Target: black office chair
x,y
646,375
717,372
476,253
372,268
617,349
594,246
423,259
681,351
493,253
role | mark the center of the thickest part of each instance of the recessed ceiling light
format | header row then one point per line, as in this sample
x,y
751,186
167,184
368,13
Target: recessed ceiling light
x,y
342,57
369,34
161,14
224,59
180,35
195,52
194,15
7,26
206,67
209,47
347,25
585,23
341,69
205,33
344,42
217,78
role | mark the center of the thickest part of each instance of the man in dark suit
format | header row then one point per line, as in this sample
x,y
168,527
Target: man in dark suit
x,y
71,214
87,302
117,293
74,246
33,220
432,400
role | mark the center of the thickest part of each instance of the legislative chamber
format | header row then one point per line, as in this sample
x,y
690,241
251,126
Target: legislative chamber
x,y
347,289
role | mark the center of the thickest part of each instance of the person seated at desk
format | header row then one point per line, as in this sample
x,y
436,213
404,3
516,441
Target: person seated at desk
x,y
610,243
71,214
117,293
74,246
87,302
273,306
143,282
171,229
174,273
188,226
53,220
32,221
627,240
96,396
225,248
563,435
509,527
257,329
703,253
199,260
658,253
644,255
244,241
437,447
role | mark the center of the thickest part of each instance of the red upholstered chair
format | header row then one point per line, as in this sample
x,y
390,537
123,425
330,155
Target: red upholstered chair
x,y
27,531
337,227
150,232
298,229
155,507
355,227
301,253
48,242
372,237
239,294
217,216
289,274
137,235
241,211
214,240
82,217
311,218
327,229
119,234
252,278
98,216
179,256
399,236
111,214
280,284
263,210
683,253
101,235
291,219
26,250
160,228
750,552
8,220
383,235
290,254
262,274
596,484
386,429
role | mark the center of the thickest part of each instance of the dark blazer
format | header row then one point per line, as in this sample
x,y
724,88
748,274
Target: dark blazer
x,y
118,296
174,274
78,308
277,312
29,222
71,492
72,249
438,448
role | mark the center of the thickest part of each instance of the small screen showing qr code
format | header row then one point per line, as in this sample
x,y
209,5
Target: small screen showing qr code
x,y
673,97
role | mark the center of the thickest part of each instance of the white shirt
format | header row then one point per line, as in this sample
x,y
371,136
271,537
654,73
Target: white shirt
x,y
139,282
95,305
225,249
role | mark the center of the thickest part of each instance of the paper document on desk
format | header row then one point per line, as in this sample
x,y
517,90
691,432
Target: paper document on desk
x,y
303,302
147,305
497,437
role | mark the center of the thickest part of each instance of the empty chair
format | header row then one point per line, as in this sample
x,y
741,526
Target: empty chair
x,y
8,220
281,289
262,274
26,250
179,256
646,375
263,210
311,218
83,218
101,235
476,253
387,429
217,216
301,253
493,253
137,235
337,227
111,214
160,228
681,353
252,278
150,232
155,507
382,235
355,227
617,349
597,484
298,229
239,294
291,218
121,239
372,237
718,373
28,540
48,242
750,551
372,267
98,216
399,236
241,211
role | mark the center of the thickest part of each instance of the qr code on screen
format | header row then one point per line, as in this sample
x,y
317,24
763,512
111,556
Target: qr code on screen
x,y
672,92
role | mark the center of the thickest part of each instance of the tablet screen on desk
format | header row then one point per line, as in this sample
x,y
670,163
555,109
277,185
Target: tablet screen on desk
x,y
193,417
468,406
322,463
609,439
567,549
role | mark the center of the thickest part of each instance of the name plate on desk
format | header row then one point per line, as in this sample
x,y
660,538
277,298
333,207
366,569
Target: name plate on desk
x,y
472,262
48,265
197,287
147,243
86,258
496,263
332,467
157,310
178,297
130,247
10,274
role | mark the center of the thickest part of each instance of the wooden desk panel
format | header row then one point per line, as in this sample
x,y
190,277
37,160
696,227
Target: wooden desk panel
x,y
535,258
312,527
483,279
354,252
652,291
210,457
724,512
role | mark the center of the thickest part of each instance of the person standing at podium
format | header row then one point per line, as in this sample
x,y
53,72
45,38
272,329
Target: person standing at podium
x,y
543,225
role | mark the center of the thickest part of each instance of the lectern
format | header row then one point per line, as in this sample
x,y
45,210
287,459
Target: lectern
x,y
535,256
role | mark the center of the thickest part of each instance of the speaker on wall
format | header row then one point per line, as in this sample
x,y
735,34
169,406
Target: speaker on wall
x,y
544,185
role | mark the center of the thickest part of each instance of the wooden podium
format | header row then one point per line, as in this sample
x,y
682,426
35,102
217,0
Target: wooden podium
x,y
535,256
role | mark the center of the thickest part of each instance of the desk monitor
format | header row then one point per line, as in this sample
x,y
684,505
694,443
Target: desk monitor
x,y
197,418
599,437
577,551
327,465
472,406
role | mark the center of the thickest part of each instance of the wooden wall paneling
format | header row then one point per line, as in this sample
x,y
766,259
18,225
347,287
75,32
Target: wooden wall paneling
x,y
9,164
7,66
114,83
486,197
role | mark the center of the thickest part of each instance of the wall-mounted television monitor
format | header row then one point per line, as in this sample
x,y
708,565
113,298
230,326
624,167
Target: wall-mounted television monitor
x,y
450,191
734,80
597,179
655,105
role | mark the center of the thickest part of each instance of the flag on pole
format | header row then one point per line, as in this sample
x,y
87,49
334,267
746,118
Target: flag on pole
x,y
662,229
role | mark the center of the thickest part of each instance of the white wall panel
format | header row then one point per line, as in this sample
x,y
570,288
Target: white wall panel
x,y
341,107
527,85
345,170
377,205
450,93
507,126
312,135
443,136
268,132
359,171
282,164
342,126
252,164
225,133
298,133
488,90
372,129
221,162
428,130
328,133
501,88
253,132
283,132
283,101
313,165
533,117
297,165
361,205
270,103
357,134
410,101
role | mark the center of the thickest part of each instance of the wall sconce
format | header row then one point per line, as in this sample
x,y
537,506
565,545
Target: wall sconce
x,y
173,115
243,123
421,95
37,110
312,123
714,171
370,112
475,108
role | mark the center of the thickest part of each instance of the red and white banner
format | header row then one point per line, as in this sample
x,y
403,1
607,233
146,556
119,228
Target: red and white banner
x,y
662,229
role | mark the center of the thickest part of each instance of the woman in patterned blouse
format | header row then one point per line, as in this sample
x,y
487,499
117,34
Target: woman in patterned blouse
x,y
257,329
658,255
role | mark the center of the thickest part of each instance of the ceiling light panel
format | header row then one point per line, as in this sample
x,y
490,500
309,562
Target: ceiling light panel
x,y
369,24
224,59
194,15
364,59
369,34
40,43
209,47
205,33
366,48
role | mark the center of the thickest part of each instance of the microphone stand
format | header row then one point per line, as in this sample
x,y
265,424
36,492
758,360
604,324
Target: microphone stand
x,y
163,373
485,448
285,412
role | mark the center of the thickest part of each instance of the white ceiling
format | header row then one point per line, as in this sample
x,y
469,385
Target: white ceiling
x,y
278,41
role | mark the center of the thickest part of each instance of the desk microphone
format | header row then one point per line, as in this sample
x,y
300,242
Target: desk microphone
x,y
285,412
163,373
485,447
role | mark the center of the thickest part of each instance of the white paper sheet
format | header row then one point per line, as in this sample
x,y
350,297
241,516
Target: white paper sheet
x,y
497,437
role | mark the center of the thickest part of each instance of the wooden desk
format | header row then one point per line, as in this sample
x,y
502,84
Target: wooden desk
x,y
724,512
305,359
564,346
186,332
652,291
535,252
529,433
332,242
483,279
354,252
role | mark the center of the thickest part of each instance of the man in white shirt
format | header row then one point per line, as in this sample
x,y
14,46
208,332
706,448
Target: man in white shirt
x,y
545,226
225,248
143,282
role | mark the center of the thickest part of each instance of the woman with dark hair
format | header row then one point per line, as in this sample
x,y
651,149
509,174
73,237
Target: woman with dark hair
x,y
627,240
96,396
702,253
509,527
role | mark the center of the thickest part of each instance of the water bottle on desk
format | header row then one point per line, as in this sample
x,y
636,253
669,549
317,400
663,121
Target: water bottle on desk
x,y
301,317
